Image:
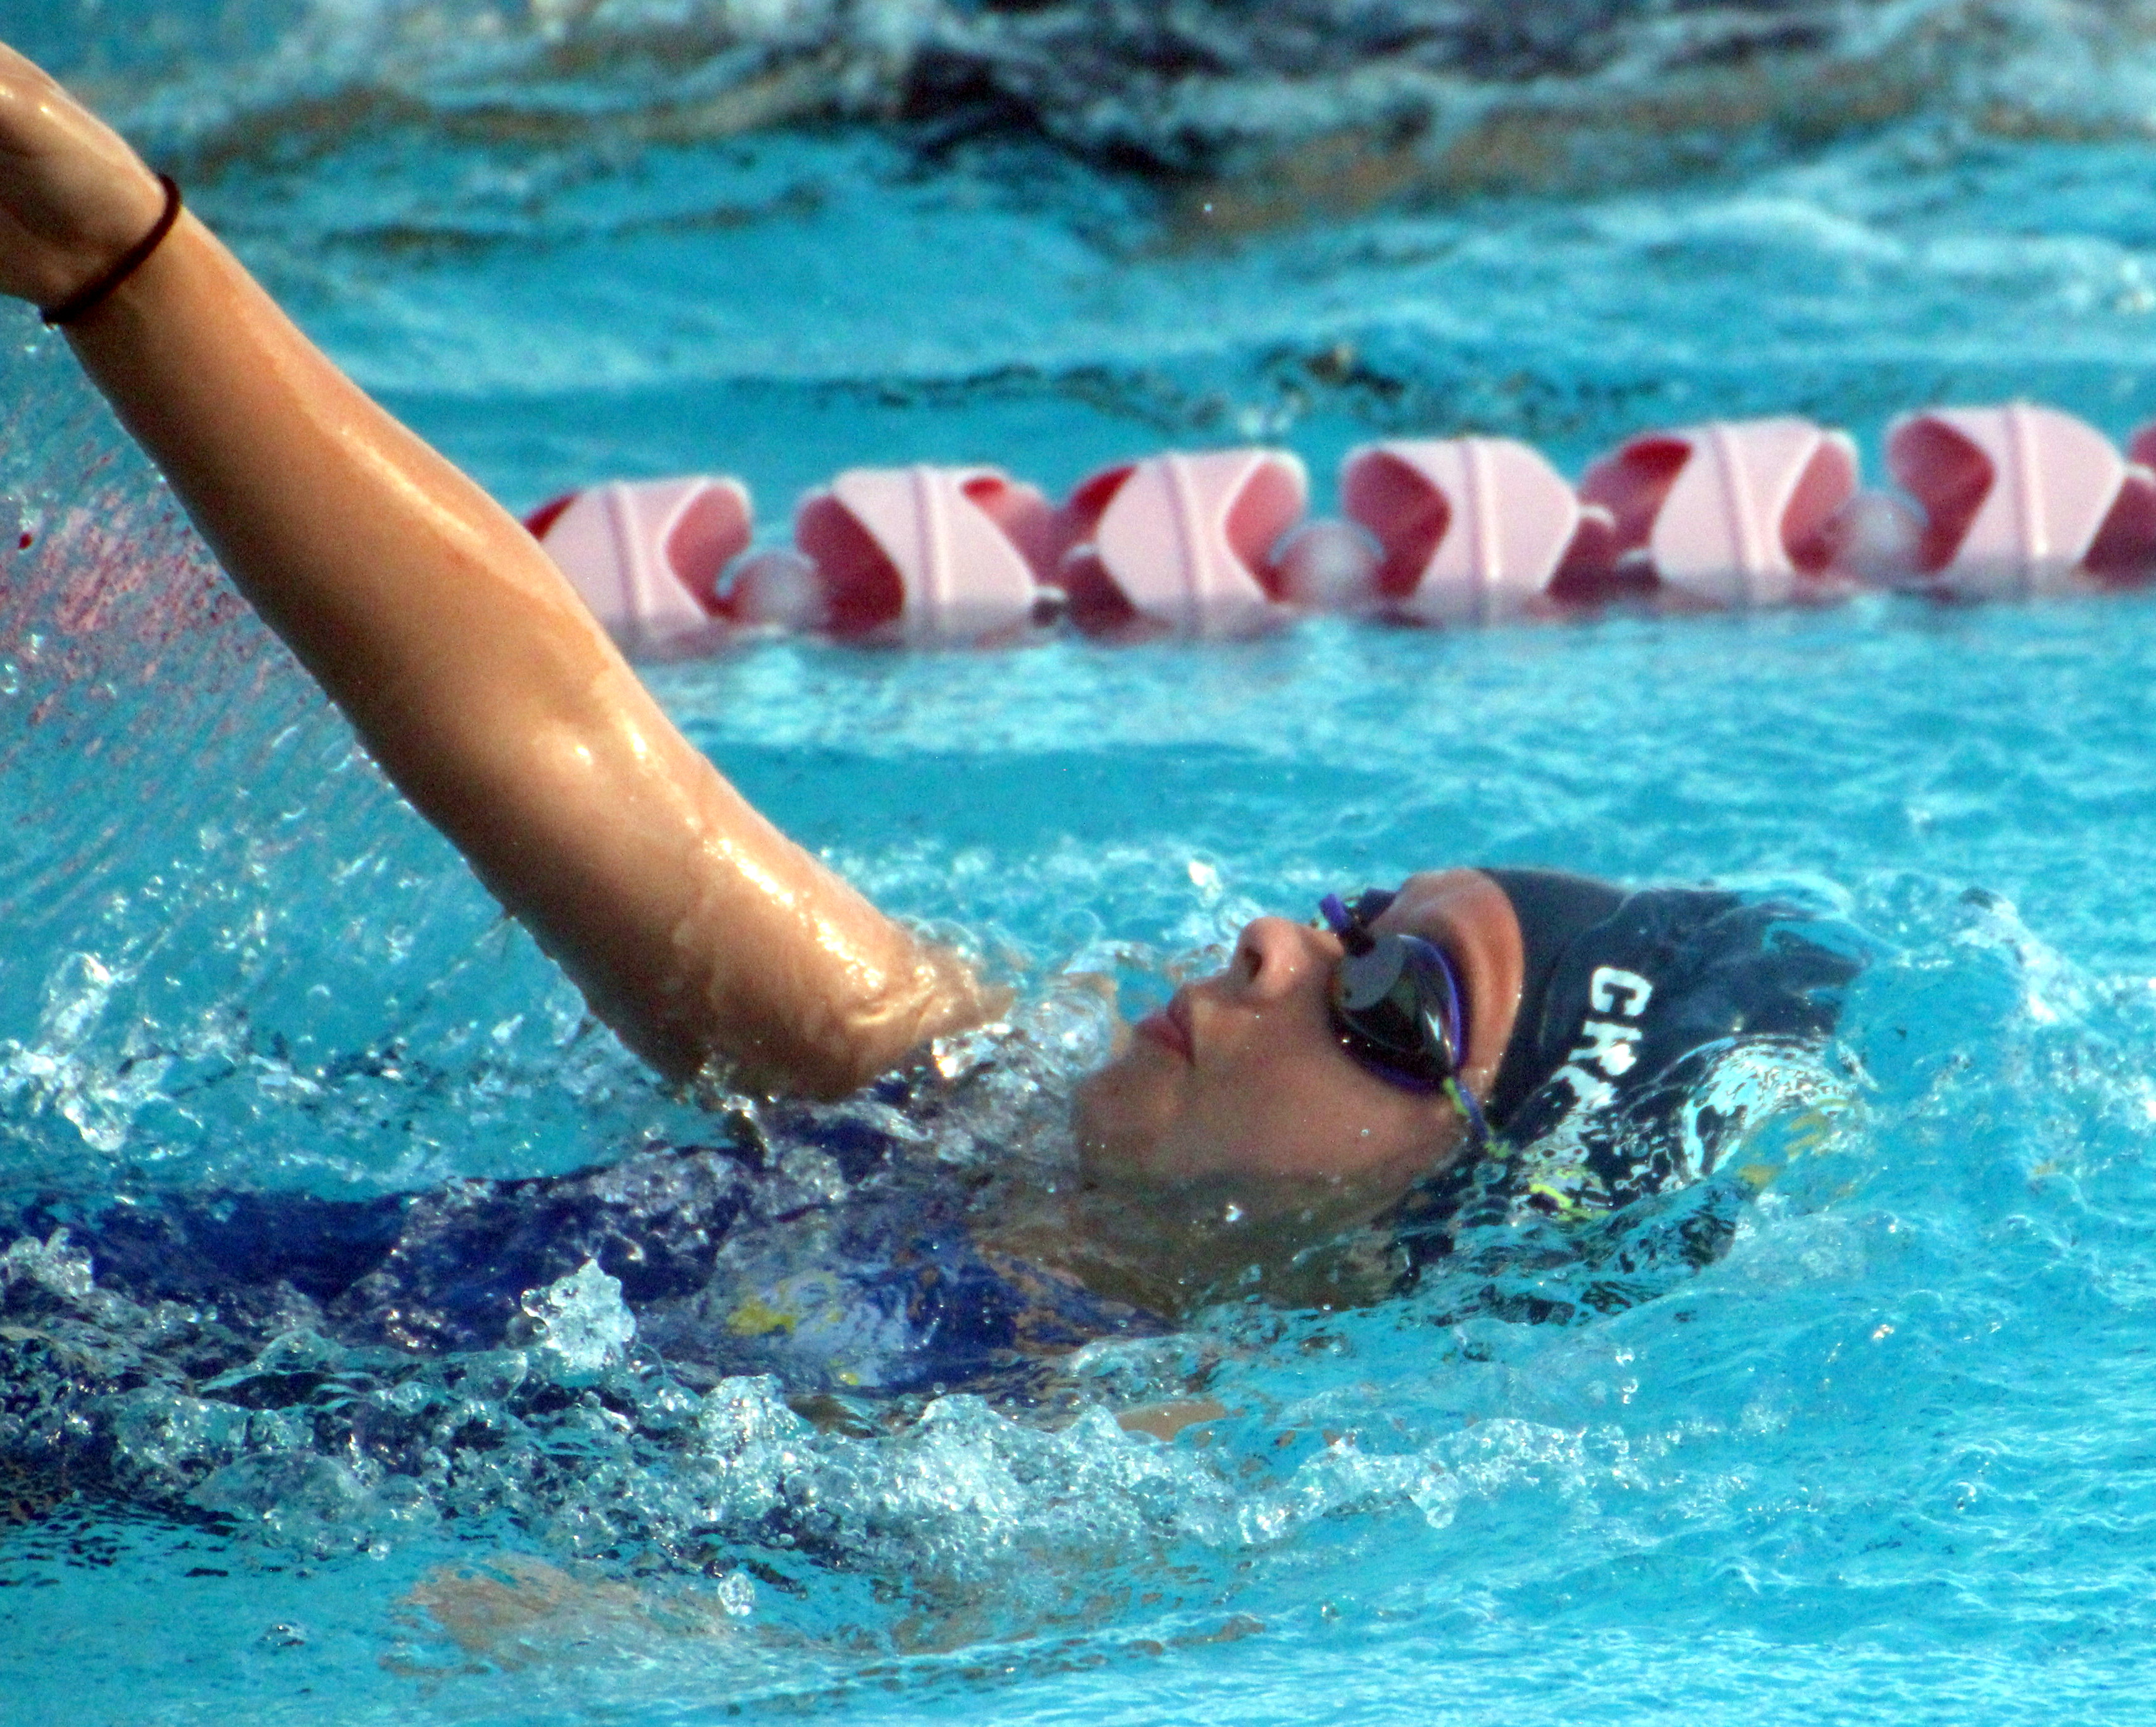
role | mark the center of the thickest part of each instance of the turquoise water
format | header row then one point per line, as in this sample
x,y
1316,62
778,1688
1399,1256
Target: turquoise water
x,y
1889,1461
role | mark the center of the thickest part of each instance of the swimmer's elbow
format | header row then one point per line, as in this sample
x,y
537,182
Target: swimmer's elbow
x,y
823,1059
833,1049
819,1070
874,1041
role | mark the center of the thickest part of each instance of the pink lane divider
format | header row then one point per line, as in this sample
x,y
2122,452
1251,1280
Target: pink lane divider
x,y
2021,500
646,556
1730,513
1181,543
927,557
1470,530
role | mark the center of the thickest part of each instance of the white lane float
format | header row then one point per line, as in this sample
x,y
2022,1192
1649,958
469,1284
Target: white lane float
x,y
917,557
1989,502
1732,514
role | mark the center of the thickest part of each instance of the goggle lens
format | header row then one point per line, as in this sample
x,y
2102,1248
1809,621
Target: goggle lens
x,y
1395,1002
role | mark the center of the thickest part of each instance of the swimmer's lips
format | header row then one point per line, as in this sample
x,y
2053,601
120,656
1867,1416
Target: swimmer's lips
x,y
1170,1028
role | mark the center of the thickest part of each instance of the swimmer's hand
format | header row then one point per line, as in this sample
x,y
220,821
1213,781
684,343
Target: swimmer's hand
x,y
478,679
73,198
514,1610
1164,1420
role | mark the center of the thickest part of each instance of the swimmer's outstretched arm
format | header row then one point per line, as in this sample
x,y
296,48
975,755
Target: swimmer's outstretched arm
x,y
478,679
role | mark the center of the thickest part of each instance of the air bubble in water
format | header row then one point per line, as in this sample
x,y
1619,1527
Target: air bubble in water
x,y
581,1321
50,1264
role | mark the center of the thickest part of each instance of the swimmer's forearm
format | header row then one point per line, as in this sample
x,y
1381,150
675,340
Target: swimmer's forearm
x,y
396,580
490,696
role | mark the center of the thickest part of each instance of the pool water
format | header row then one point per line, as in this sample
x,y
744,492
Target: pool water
x,y
1889,1461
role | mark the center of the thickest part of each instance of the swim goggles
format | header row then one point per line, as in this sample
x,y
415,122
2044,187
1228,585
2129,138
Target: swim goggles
x,y
1398,1007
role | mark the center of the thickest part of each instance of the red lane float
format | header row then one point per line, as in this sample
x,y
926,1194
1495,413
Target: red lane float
x,y
646,556
2021,500
1181,544
1471,530
1991,501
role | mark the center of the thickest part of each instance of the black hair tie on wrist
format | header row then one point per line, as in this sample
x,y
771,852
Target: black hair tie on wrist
x,y
135,256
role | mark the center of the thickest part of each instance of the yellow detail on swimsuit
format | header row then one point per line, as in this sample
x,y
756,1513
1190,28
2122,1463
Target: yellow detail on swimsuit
x,y
755,1318
1810,1130
813,1299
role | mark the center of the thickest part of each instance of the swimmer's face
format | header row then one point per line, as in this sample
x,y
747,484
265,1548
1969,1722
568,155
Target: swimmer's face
x,y
1240,1095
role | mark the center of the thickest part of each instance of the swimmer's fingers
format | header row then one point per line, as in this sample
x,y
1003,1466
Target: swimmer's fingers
x,y
73,196
512,1609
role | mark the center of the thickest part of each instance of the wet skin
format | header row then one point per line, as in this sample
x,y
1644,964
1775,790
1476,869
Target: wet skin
x,y
1234,1122
479,680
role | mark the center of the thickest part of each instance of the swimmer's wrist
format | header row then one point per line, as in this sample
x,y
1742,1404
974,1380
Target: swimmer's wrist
x,y
74,197
101,288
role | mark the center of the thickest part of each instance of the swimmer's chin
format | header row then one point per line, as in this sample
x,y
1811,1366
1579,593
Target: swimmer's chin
x,y
1176,1243
1175,1248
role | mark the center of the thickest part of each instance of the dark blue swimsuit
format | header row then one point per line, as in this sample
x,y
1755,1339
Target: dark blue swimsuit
x,y
890,1294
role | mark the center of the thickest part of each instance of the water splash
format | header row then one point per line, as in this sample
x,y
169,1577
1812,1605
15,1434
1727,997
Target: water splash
x,y
583,1320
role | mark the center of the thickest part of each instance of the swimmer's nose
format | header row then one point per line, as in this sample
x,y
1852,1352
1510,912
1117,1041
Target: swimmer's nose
x,y
1271,954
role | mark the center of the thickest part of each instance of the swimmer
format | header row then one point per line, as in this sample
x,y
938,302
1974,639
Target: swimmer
x,y
1473,1043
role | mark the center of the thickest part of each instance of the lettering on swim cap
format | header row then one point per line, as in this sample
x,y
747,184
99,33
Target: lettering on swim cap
x,y
1607,1044
1609,982
1587,1090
